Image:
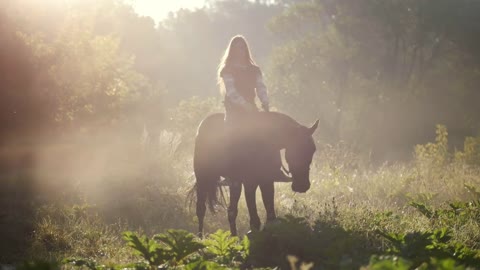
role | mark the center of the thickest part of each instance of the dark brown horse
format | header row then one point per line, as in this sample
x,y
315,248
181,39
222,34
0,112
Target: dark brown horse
x,y
271,131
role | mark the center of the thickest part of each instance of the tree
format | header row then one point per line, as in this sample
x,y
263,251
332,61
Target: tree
x,y
369,64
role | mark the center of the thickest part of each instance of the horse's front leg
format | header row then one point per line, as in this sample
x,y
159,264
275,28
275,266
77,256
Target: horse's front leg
x,y
268,196
250,190
235,191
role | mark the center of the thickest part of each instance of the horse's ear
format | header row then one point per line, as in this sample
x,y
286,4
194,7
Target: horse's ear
x,y
314,127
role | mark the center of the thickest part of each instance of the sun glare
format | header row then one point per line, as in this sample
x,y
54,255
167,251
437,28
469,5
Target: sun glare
x,y
159,9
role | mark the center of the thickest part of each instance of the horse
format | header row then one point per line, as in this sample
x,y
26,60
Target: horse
x,y
272,131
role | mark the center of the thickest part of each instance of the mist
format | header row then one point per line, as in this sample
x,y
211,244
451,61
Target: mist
x,y
99,107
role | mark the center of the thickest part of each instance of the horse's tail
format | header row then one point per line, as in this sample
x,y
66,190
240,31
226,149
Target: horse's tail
x,y
206,189
209,193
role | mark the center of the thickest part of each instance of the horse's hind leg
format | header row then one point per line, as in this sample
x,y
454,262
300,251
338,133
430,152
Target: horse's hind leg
x,y
250,190
207,187
268,196
235,191
201,209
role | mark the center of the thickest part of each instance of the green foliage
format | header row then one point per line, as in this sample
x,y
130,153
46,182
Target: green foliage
x,y
388,263
179,244
325,244
369,64
173,248
330,233
285,236
226,248
147,248
425,210
473,191
457,214
385,262
420,247
416,245
78,229
186,116
444,264
89,264
361,65
471,151
434,154
39,265
93,265
98,80
204,265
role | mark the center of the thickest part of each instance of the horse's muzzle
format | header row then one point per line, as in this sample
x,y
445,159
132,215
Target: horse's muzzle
x,y
301,188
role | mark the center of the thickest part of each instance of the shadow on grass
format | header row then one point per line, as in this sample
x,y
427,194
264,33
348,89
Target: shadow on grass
x,y
326,244
16,208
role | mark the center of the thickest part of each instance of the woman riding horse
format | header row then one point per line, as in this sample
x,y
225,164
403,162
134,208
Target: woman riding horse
x,y
243,145
241,80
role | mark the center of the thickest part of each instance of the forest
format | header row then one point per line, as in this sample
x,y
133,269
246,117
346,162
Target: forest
x,y
99,107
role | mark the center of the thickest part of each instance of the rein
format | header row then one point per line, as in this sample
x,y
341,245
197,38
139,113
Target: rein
x,y
286,171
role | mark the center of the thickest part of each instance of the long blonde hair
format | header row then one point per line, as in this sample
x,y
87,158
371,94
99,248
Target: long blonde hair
x,y
227,56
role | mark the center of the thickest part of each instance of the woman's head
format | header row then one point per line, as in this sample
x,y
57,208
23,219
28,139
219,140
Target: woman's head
x,y
237,52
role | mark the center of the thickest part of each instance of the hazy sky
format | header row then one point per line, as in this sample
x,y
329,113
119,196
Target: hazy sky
x,y
158,9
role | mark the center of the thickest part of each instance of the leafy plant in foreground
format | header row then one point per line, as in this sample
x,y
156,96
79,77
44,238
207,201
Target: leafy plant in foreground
x,y
179,244
389,262
153,254
174,247
457,213
89,264
227,248
39,265
421,247
204,265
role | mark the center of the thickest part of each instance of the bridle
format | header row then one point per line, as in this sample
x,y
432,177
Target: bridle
x,y
286,171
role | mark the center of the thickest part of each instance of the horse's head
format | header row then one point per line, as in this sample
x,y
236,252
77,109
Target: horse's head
x,y
299,154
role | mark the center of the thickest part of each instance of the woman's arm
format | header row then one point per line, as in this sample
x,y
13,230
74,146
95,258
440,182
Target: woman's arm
x,y
262,92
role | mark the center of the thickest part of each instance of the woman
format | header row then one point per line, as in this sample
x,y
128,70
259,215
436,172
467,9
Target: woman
x,y
242,81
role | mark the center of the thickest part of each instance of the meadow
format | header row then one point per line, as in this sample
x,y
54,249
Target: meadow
x,y
421,214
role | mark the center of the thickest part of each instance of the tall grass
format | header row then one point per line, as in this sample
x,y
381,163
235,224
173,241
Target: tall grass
x,y
144,185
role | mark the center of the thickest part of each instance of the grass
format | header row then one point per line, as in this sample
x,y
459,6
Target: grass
x,y
340,223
